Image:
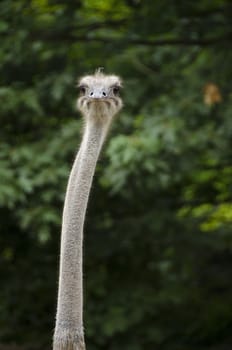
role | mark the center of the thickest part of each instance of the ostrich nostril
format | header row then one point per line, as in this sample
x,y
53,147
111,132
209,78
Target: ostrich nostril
x,y
97,94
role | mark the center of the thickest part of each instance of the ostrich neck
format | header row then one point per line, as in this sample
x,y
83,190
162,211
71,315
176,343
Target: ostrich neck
x,y
69,319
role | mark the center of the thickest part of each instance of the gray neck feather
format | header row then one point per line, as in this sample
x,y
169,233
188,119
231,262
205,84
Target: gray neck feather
x,y
69,319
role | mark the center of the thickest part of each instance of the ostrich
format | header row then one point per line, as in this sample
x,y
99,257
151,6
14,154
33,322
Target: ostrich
x,y
98,102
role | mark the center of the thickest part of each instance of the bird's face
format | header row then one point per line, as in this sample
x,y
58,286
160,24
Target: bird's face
x,y
99,95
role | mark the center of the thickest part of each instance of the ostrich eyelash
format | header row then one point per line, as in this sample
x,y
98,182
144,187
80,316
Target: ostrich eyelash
x,y
116,89
82,89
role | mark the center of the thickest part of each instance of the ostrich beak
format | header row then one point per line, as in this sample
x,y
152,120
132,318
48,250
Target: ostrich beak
x,y
97,94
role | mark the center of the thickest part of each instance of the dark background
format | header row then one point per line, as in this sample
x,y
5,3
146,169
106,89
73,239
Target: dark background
x,y
158,234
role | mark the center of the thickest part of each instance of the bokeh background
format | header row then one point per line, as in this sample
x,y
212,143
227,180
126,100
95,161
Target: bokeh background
x,y
158,234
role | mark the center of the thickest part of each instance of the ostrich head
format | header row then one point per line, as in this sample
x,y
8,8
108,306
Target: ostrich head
x,y
99,96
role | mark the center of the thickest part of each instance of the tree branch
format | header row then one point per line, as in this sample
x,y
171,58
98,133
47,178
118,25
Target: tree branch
x,y
97,25
71,37
158,42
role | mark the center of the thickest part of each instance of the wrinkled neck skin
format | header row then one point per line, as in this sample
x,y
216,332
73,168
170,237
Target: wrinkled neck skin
x,y
69,333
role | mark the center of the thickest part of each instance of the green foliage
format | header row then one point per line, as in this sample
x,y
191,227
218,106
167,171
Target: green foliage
x,y
158,231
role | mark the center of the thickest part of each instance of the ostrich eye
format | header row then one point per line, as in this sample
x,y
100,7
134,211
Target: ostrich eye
x,y
82,89
116,90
